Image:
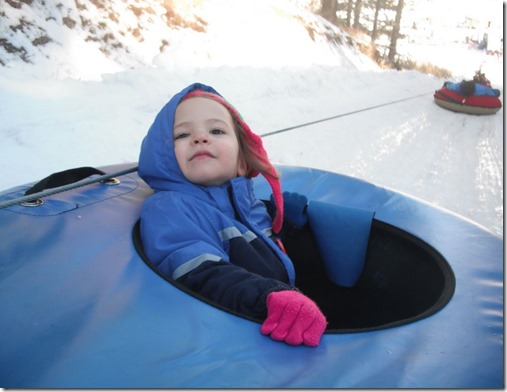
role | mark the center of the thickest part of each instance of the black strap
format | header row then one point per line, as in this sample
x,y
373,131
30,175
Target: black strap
x,y
63,178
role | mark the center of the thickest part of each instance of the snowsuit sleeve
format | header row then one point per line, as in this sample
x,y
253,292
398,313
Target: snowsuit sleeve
x,y
233,287
185,245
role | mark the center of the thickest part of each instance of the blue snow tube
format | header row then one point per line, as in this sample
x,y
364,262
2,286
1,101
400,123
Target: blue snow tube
x,y
82,309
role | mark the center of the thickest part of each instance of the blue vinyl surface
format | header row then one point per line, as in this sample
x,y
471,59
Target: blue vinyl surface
x,y
80,309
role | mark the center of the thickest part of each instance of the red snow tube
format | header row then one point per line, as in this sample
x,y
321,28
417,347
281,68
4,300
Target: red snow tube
x,y
475,104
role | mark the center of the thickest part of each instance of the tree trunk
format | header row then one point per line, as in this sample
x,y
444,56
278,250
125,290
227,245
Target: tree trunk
x,y
396,32
328,11
375,21
350,6
357,13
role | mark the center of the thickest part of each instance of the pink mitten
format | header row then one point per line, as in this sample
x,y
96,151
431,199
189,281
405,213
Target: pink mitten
x,y
293,318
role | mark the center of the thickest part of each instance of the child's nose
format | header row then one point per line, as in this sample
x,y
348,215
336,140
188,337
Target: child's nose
x,y
200,137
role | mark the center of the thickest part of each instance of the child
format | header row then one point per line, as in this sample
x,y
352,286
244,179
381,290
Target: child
x,y
468,88
203,225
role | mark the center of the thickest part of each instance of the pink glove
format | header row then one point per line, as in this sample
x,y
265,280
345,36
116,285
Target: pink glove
x,y
293,318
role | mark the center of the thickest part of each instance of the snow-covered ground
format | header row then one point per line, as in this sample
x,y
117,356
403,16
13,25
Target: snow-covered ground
x,y
277,78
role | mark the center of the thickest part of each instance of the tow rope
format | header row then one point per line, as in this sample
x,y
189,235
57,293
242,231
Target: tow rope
x,y
105,177
343,115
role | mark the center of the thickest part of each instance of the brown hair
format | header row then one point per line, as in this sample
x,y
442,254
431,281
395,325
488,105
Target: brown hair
x,y
249,156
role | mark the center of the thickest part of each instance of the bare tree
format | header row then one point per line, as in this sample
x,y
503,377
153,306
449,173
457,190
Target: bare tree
x,y
328,10
344,7
395,32
378,5
357,13
350,7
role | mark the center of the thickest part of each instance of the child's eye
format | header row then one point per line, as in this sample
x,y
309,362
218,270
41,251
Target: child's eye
x,y
216,131
181,135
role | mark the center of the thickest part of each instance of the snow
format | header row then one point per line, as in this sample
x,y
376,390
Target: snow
x,y
77,107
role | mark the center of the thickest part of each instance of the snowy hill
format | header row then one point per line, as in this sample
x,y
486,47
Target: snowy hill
x,y
76,34
85,39
82,99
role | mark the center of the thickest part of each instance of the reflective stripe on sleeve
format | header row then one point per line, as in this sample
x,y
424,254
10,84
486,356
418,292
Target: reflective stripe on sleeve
x,y
233,232
194,263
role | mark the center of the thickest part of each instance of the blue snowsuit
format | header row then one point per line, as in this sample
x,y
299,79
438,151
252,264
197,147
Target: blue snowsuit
x,y
479,89
214,240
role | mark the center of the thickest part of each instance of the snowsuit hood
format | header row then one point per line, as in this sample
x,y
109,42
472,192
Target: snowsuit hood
x,y
158,166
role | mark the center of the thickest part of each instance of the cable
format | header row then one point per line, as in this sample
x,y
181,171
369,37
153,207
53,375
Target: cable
x,y
64,188
341,115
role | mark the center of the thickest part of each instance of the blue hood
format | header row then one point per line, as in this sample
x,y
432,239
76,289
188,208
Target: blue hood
x,y
157,162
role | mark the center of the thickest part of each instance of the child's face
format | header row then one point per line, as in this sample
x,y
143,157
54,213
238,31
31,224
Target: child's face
x,y
205,142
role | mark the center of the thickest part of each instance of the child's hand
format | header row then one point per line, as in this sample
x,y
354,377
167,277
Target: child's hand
x,y
294,208
293,318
